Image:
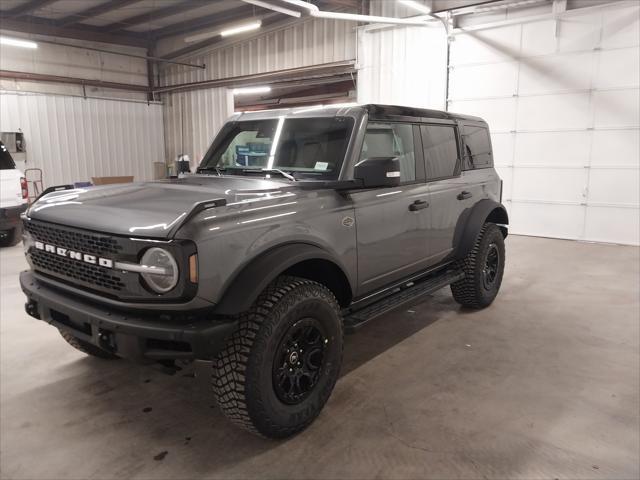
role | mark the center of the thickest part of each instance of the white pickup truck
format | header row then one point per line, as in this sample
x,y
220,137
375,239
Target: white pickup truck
x,y
13,199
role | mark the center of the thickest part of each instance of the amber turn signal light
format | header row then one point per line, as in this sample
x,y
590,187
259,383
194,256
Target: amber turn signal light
x,y
193,268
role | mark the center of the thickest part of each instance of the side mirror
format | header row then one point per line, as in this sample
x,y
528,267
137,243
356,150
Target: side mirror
x,y
378,172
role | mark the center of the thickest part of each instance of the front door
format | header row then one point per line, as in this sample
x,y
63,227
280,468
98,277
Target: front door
x,y
392,223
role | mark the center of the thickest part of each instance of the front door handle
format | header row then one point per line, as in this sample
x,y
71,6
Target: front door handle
x,y
418,205
464,195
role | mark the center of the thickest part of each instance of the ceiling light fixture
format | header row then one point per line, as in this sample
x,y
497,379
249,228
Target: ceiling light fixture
x,y
224,33
16,42
241,29
250,90
420,7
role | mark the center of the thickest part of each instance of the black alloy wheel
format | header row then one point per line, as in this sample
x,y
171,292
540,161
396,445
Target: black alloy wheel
x,y
298,362
491,267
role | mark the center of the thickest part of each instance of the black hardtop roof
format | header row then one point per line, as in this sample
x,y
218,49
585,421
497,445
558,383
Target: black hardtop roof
x,y
379,110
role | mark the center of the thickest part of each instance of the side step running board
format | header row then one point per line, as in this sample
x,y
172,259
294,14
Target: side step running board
x,y
355,320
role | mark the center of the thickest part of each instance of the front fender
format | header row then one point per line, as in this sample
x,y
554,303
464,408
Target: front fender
x,y
245,287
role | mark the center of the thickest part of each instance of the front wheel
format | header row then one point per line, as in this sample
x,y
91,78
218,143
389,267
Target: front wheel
x,y
280,366
483,268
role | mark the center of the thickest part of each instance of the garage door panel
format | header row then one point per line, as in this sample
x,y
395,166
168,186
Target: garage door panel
x,y
617,108
502,144
478,81
579,32
499,113
552,148
615,225
618,68
557,73
620,28
550,112
550,185
495,45
615,186
616,147
547,220
538,38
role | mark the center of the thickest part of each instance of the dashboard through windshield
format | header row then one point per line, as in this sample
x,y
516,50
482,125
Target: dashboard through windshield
x,y
313,147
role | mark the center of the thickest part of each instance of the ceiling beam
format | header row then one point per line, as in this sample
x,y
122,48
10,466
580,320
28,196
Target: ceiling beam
x,y
213,21
38,77
25,8
40,26
169,11
92,12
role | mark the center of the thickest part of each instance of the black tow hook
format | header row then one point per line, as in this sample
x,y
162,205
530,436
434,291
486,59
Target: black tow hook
x,y
31,308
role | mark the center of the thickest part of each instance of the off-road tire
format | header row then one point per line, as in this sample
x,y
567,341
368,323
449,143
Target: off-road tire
x,y
471,290
86,347
242,376
12,238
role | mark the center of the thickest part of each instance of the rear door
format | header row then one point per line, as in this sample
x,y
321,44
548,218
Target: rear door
x,y
450,194
392,223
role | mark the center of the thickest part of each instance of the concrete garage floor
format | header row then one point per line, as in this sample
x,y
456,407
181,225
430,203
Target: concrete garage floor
x,y
543,384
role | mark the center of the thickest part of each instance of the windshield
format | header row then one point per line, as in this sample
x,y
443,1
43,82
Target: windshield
x,y
300,146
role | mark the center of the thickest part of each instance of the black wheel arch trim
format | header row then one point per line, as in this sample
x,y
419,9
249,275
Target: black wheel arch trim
x,y
471,221
240,293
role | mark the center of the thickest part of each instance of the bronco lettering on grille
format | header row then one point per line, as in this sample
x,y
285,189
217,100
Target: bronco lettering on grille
x,y
79,256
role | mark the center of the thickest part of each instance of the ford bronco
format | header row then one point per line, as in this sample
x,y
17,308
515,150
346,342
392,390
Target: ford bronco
x,y
299,225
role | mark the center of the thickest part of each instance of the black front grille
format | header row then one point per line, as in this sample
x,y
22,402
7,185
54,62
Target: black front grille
x,y
75,270
74,240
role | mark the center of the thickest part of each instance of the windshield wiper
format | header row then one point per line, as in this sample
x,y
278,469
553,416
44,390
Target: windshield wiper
x,y
218,170
281,172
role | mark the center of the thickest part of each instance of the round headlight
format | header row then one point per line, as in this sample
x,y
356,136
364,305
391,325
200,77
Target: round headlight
x,y
161,272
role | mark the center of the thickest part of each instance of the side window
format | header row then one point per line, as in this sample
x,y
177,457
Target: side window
x,y
392,140
440,150
477,147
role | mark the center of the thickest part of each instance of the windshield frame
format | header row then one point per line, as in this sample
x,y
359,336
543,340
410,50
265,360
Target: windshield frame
x,y
231,124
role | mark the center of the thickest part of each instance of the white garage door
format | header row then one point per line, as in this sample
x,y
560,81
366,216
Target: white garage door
x,y
563,106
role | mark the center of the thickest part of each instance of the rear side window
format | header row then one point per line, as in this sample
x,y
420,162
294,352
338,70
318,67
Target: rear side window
x,y
6,162
392,140
440,150
477,147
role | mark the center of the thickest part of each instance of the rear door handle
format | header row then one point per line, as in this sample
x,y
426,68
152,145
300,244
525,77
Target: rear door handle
x,y
464,195
418,205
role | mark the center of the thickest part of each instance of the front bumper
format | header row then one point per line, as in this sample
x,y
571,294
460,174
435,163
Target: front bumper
x,y
140,337
10,216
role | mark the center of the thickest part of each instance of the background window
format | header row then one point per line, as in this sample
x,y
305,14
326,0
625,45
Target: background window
x,y
391,140
440,150
477,147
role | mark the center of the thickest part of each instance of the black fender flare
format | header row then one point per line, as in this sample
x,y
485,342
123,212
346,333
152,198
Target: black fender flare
x,y
471,221
240,293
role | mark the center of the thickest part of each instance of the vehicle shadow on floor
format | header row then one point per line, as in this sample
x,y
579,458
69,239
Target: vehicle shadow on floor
x,y
172,419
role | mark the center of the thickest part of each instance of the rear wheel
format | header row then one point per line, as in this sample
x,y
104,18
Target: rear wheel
x,y
483,268
86,347
280,366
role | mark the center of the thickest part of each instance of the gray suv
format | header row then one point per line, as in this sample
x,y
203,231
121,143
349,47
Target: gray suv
x,y
298,226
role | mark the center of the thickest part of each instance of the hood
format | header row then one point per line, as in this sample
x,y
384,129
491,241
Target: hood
x,y
147,209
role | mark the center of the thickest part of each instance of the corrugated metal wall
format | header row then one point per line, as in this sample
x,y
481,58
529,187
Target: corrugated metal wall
x,y
192,119
72,139
200,114
309,42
